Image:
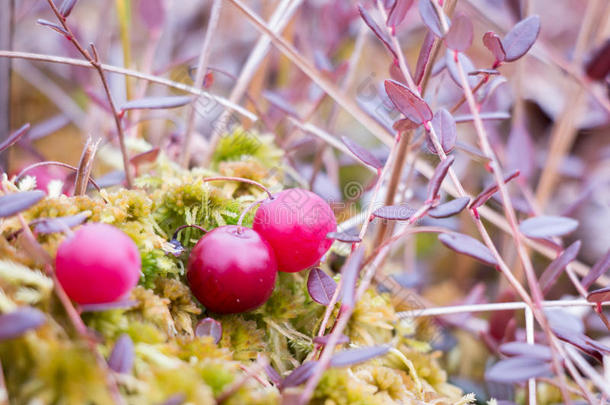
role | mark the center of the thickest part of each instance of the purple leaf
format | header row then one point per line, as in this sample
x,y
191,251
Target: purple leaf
x,y
150,156
523,349
113,178
459,36
490,191
599,296
486,72
323,340
176,399
520,39
209,327
398,12
66,7
583,343
279,102
14,137
468,246
59,224
273,375
349,275
300,374
344,237
321,286
472,152
444,127
404,124
517,369
400,212
107,306
407,102
122,356
431,16
151,103
546,226
554,269
363,154
485,116
437,178
368,20
16,323
55,27
152,13
450,208
48,126
351,357
492,41
598,67
423,58
11,204
467,66
599,268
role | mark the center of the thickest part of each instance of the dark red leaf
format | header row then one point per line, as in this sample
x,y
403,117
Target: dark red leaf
x,y
599,268
523,349
400,212
55,27
398,12
349,275
300,374
459,36
467,66
444,127
344,237
485,116
468,246
321,286
407,102
151,103
431,16
601,295
273,375
14,203
517,369
16,323
450,208
598,67
554,269
404,125
351,357
492,41
546,226
584,343
209,327
150,156
323,340
363,154
14,137
122,356
439,175
66,7
59,224
424,57
368,20
491,190
520,39
107,306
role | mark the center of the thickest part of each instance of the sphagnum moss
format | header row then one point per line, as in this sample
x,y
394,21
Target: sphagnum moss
x,y
51,365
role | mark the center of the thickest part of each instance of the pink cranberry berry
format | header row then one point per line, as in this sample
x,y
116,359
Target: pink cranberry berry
x,y
232,269
295,223
98,264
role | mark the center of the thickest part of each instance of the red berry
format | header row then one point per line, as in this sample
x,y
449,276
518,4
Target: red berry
x,y
98,264
232,269
295,223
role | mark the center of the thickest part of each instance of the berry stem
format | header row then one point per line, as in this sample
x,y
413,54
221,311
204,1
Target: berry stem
x,y
245,211
229,178
181,227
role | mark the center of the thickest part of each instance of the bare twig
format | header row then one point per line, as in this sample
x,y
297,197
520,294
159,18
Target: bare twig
x,y
6,42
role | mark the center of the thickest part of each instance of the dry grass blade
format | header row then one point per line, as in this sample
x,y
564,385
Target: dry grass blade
x,y
84,166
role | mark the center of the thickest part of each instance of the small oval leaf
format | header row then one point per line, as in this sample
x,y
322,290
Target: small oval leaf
x,y
520,39
60,224
467,66
150,156
546,226
14,137
151,103
486,194
400,212
368,20
445,129
66,7
351,357
599,268
16,323
404,124
599,296
209,327
468,246
554,269
492,41
423,58
344,237
55,27
300,374
364,155
437,178
398,12
321,286
459,36
278,101
450,208
523,349
12,204
517,369
407,102
431,16
122,356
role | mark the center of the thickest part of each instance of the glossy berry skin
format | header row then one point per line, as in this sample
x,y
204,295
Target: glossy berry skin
x,y
295,223
232,269
98,264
